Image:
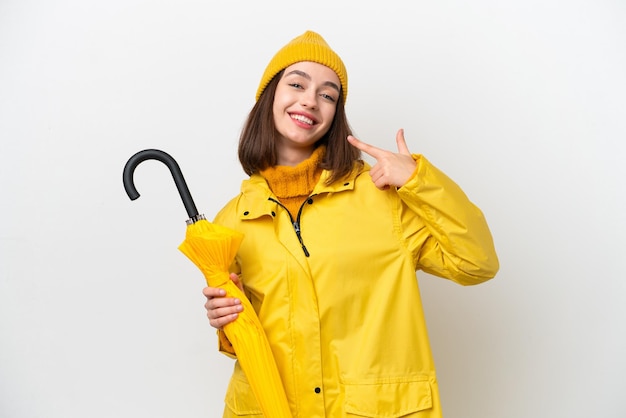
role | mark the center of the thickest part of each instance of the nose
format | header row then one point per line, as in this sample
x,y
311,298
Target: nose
x,y
308,99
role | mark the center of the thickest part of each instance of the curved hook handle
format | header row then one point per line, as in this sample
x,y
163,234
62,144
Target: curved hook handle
x,y
179,180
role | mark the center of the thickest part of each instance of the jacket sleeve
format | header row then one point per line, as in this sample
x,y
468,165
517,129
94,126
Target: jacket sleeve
x,y
224,345
449,237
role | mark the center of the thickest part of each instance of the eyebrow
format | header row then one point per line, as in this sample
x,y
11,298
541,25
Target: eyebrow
x,y
308,77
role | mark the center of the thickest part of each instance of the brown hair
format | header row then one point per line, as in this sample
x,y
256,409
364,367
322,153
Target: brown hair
x,y
257,143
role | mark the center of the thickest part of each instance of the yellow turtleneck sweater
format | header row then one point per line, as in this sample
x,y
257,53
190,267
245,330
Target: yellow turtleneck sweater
x,y
292,185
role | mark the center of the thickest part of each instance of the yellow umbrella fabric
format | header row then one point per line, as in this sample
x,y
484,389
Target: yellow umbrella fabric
x,y
212,248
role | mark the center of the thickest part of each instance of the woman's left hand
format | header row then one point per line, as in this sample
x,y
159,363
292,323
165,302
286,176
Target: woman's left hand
x,y
391,169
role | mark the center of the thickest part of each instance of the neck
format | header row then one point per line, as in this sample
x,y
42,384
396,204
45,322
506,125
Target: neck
x,y
291,156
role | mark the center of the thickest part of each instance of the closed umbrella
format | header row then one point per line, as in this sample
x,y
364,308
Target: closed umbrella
x,y
212,248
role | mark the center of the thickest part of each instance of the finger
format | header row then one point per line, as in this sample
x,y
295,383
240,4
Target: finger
x,y
219,303
401,142
217,314
366,148
380,183
222,321
235,278
213,292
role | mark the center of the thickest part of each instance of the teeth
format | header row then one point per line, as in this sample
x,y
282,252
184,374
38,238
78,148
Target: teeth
x,y
302,119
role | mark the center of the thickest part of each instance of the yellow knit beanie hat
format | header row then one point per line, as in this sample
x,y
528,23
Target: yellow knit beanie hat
x,y
309,46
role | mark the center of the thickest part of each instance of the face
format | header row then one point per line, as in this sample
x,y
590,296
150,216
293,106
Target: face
x,y
304,107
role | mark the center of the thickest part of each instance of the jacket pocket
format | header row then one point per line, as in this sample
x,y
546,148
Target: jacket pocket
x,y
390,398
240,399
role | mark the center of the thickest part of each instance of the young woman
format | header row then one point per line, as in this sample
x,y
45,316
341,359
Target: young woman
x,y
332,247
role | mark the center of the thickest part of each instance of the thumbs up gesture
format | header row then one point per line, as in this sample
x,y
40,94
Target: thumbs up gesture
x,y
391,169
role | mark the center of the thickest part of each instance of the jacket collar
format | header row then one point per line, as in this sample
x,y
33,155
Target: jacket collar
x,y
255,192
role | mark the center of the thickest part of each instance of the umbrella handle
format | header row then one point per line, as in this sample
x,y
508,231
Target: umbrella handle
x,y
179,180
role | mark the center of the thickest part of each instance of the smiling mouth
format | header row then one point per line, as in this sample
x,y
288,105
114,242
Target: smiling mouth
x,y
302,119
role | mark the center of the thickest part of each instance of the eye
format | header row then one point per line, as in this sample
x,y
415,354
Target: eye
x,y
328,97
296,85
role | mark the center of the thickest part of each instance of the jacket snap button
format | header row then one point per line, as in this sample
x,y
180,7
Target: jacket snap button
x,y
310,201
318,390
246,213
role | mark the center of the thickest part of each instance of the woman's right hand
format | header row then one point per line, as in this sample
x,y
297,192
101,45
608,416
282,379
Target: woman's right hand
x,y
220,309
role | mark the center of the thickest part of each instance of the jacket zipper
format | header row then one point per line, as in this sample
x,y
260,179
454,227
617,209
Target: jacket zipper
x,y
296,223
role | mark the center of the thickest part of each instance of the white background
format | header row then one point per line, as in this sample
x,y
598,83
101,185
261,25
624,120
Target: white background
x,y
521,102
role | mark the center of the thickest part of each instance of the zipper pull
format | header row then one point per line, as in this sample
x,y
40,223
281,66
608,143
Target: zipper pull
x,y
296,227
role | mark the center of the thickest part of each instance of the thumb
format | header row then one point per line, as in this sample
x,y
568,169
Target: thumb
x,y
401,142
235,278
